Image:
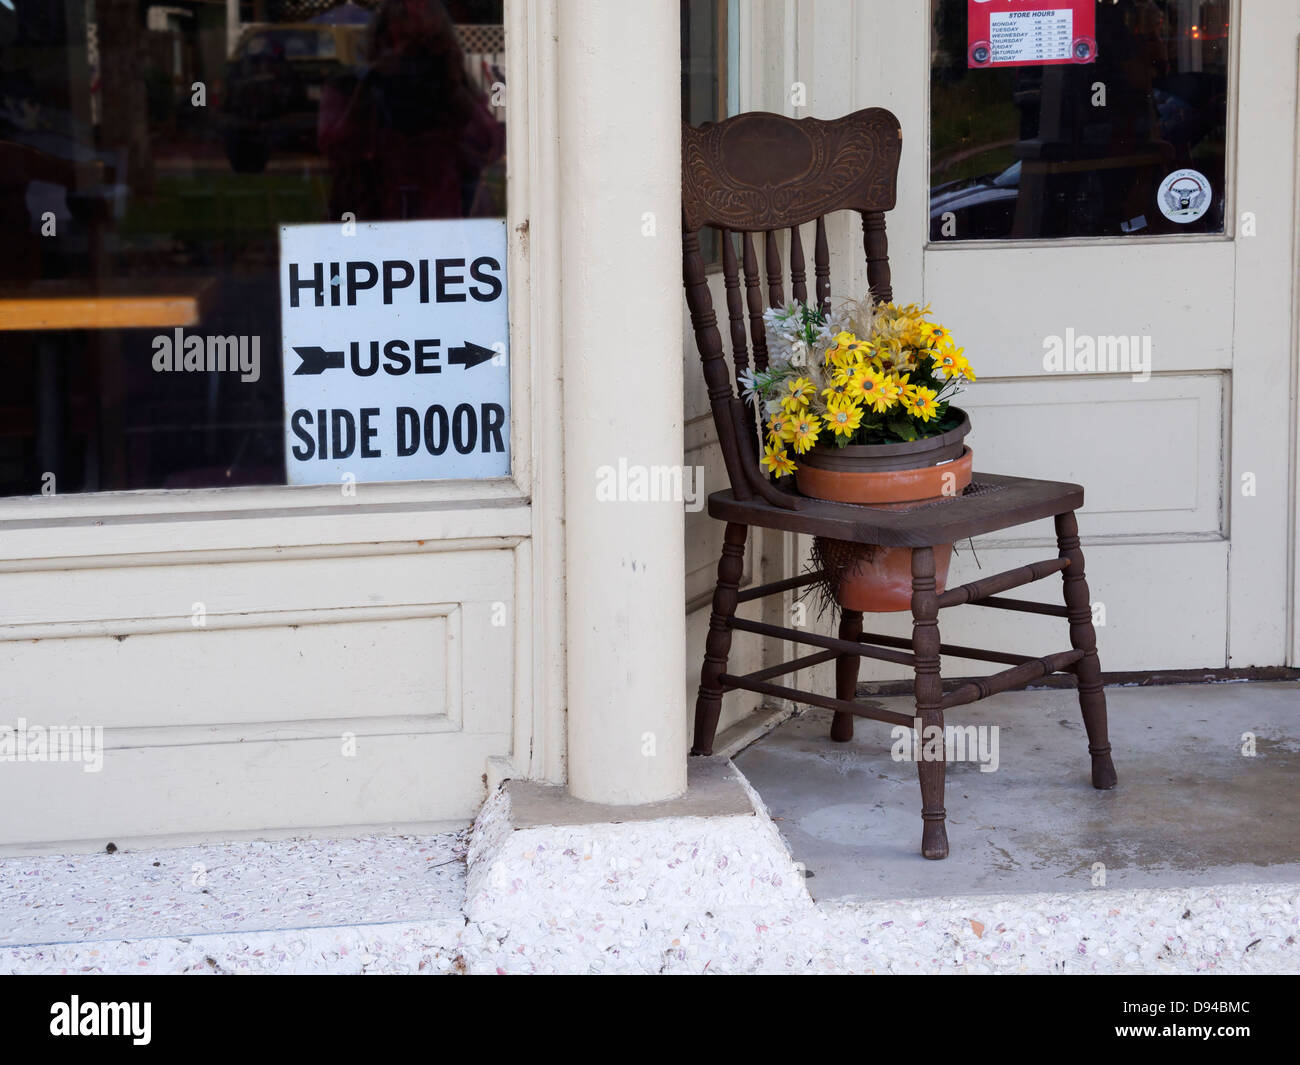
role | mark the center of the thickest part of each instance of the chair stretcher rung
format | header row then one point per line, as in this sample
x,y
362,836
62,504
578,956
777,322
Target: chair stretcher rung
x,y
814,659
802,581
951,649
1016,677
816,640
876,713
1000,582
1027,606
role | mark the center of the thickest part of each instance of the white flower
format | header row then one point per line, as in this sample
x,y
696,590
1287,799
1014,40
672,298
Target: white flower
x,y
834,325
778,362
749,384
781,314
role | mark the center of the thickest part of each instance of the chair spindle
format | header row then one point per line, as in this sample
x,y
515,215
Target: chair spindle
x,y
822,266
877,249
775,290
755,297
735,304
798,279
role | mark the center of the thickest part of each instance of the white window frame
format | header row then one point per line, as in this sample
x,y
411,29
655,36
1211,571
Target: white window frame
x,y
58,512
1229,233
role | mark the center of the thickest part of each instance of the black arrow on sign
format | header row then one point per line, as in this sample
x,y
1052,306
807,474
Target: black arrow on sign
x,y
317,360
470,355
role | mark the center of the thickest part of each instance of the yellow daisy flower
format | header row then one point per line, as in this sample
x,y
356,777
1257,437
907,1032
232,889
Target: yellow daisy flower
x,y
936,336
858,349
891,389
950,362
868,384
778,427
844,418
775,459
805,431
841,386
844,358
919,402
799,390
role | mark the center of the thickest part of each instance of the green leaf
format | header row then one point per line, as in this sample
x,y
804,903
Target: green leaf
x,y
903,428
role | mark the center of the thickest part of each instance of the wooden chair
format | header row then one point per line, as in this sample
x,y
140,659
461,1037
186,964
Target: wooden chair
x,y
763,173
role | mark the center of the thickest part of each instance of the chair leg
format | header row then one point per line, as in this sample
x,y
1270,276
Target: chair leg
x,y
846,675
1083,637
708,704
929,701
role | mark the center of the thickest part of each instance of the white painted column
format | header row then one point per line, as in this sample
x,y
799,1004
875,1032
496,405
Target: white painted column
x,y
620,212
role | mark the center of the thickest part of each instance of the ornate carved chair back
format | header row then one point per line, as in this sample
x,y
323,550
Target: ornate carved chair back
x,y
761,173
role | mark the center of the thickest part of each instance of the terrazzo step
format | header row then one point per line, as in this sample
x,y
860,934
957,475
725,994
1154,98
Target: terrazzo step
x,y
372,903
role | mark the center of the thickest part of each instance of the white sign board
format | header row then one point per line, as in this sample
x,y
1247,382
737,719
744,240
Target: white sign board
x,y
396,361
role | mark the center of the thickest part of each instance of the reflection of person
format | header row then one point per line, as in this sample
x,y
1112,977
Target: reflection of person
x,y
407,136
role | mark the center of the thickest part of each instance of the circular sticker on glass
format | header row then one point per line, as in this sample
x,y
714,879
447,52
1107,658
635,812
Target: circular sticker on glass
x,y
1184,196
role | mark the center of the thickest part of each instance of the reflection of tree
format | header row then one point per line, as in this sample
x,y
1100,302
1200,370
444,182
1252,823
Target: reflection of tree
x,y
125,119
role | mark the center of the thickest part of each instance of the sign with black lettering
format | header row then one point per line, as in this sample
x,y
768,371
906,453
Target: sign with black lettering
x,y
396,358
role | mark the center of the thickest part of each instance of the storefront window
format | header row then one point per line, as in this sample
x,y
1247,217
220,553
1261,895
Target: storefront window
x,y
1077,118
150,155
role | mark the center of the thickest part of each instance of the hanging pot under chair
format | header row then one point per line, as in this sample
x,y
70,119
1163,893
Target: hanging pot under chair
x,y
898,476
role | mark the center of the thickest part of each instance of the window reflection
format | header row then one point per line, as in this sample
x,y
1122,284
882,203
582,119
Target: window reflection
x,y
1097,149
407,135
148,155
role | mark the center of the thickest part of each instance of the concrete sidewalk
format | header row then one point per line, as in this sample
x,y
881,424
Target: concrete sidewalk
x,y
1199,846
1190,808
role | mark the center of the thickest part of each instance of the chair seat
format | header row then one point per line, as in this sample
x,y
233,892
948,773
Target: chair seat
x,y
992,502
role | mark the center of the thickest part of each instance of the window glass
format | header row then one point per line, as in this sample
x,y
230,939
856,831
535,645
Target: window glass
x,y
150,153
1069,118
293,44
704,60
708,77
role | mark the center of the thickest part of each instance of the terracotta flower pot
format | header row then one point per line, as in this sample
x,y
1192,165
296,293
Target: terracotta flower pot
x,y
891,477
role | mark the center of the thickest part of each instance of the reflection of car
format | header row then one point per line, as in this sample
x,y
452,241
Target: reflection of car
x,y
273,87
980,207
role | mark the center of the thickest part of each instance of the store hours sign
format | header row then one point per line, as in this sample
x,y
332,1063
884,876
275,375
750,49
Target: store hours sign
x,y
1026,33
395,341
